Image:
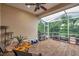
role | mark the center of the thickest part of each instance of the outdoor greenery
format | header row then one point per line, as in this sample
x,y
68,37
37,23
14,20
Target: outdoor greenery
x,y
74,26
41,27
61,27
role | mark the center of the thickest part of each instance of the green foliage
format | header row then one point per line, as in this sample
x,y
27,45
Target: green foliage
x,y
54,26
74,27
19,38
57,28
41,27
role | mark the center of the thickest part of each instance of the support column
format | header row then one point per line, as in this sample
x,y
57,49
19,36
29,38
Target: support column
x,y
44,28
67,22
48,29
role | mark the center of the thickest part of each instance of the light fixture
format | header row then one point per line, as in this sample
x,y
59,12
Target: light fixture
x,y
28,6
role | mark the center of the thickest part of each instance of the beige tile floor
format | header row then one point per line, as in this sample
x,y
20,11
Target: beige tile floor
x,y
51,47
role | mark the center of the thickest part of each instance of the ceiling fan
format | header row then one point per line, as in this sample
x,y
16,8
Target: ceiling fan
x,y
38,6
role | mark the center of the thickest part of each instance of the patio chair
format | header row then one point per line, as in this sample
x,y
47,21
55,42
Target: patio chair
x,y
63,38
56,37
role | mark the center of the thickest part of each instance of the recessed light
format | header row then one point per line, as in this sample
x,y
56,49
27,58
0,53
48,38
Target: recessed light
x,y
28,6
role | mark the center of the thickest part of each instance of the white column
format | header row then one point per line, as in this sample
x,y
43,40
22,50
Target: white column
x,y
44,28
67,22
48,29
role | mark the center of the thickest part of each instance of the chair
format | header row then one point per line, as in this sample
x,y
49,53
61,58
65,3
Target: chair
x,y
1,51
77,41
20,53
34,42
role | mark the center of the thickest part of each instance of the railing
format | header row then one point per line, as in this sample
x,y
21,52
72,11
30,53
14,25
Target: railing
x,y
60,36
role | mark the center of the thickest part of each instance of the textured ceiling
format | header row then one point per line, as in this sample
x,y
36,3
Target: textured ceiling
x,y
51,8
31,9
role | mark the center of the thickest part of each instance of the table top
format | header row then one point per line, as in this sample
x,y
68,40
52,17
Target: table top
x,y
23,47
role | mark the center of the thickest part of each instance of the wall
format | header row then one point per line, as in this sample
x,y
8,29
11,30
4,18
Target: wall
x,y
0,14
19,22
0,25
0,21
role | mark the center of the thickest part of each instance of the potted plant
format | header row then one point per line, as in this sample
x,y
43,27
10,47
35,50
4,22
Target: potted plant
x,y
19,38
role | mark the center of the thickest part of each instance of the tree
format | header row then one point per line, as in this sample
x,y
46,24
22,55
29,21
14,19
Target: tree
x,y
41,27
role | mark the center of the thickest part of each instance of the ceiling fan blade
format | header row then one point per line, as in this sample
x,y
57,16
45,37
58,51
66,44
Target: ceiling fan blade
x,y
43,8
37,6
35,9
30,4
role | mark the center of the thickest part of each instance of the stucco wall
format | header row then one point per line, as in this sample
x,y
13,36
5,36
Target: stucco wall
x,y
0,14
19,22
0,21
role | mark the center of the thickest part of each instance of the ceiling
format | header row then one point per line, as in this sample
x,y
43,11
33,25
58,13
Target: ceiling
x,y
31,9
51,7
